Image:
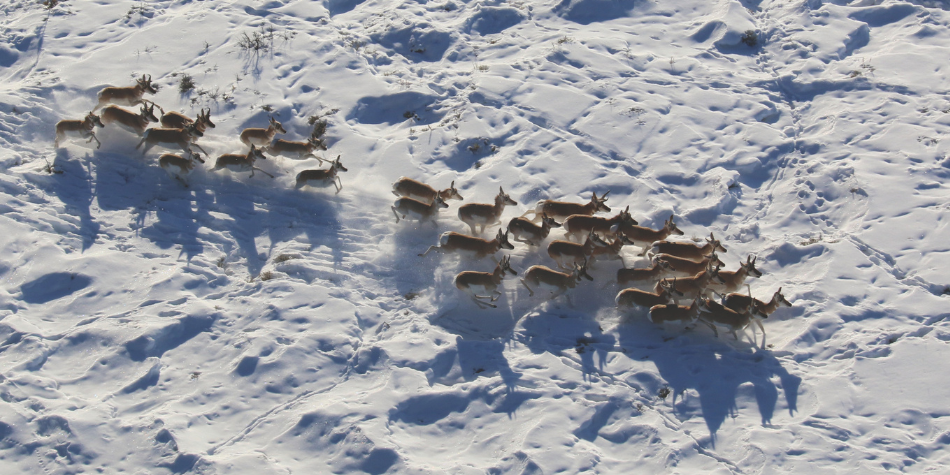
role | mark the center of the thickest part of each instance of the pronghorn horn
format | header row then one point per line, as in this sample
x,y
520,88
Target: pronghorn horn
x,y
604,196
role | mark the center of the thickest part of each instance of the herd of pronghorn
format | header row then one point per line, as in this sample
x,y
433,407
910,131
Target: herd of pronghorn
x,y
179,131
678,269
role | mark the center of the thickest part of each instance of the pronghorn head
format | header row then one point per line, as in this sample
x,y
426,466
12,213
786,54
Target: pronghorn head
x,y
505,266
451,192
600,203
277,126
504,198
316,142
749,266
626,218
192,155
716,245
192,129
439,202
714,258
668,286
549,222
145,82
781,298
664,264
205,117
93,119
580,271
148,113
256,153
713,272
336,165
502,238
671,228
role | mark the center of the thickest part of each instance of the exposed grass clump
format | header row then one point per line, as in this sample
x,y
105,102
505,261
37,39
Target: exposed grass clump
x,y
750,38
186,83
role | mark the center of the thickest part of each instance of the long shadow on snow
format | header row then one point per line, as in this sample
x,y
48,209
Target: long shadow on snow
x,y
713,369
130,182
75,190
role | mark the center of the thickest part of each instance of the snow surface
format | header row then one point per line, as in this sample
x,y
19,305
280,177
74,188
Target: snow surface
x,y
242,326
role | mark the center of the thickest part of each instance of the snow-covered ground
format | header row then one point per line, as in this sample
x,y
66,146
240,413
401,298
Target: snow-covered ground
x,y
240,325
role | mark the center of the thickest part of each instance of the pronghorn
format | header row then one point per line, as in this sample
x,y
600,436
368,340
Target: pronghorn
x,y
177,166
83,128
553,281
663,292
732,280
673,313
611,251
262,137
237,162
470,246
472,282
484,214
645,237
739,302
323,178
687,267
579,225
136,123
715,314
297,150
127,96
688,250
562,209
420,191
567,253
184,138
650,274
698,284
523,230
418,210
174,120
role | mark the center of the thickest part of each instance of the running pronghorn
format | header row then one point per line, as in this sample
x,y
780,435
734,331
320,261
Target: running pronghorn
x,y
689,250
558,283
698,284
715,314
262,137
83,128
733,280
179,167
418,210
673,313
562,209
470,246
237,162
135,123
484,214
486,283
611,251
686,267
297,150
762,310
645,237
523,230
323,178
579,225
643,276
174,120
663,293
183,138
567,253
127,96
420,191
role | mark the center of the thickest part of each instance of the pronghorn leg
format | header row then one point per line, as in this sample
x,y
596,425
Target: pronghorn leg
x,y
196,145
530,292
480,303
711,327
262,171
92,137
759,323
338,183
395,213
431,248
